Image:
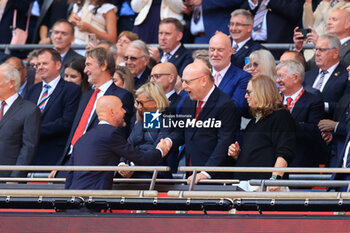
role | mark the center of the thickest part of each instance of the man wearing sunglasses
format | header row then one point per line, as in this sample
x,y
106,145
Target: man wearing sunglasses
x,y
136,59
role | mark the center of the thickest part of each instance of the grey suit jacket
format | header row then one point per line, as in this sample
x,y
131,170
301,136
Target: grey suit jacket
x,y
19,133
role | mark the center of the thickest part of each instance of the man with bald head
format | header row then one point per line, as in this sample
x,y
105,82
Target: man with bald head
x,y
231,80
104,145
165,74
206,146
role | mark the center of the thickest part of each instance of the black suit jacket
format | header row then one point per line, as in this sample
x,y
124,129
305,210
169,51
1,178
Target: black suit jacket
x,y
138,82
128,103
336,86
6,20
208,146
103,146
56,120
307,112
181,58
342,112
70,55
238,59
19,133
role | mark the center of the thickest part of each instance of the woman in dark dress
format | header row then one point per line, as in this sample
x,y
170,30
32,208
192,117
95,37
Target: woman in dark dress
x,y
269,138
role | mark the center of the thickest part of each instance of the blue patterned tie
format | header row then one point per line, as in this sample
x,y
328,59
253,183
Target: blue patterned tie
x,y
44,97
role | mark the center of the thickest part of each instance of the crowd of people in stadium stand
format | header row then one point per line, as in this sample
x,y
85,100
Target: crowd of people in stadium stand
x,y
264,108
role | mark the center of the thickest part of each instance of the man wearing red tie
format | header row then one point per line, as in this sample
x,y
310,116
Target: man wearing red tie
x,y
206,146
100,67
307,110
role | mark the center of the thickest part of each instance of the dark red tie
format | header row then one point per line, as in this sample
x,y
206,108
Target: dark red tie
x,y
84,118
199,109
289,102
3,103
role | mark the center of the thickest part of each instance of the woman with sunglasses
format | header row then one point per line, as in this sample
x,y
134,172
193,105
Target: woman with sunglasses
x,y
150,97
261,62
269,138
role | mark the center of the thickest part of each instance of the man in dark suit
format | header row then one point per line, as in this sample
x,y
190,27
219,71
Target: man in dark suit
x,y
171,50
231,80
62,37
100,67
165,74
339,25
306,109
331,77
7,17
215,16
274,21
104,146
241,26
19,124
58,101
136,60
205,146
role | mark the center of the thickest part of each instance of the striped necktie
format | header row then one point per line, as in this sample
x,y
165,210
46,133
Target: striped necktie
x,y
44,97
3,103
259,17
320,81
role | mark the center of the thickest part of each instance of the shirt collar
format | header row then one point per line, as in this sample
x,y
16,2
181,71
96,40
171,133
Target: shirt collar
x,y
221,72
330,69
103,122
342,41
208,95
103,88
53,83
294,95
169,93
240,44
9,101
174,50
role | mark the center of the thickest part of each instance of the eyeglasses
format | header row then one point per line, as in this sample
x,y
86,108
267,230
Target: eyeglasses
x,y
248,92
322,50
187,82
131,58
142,103
34,65
156,76
254,65
238,24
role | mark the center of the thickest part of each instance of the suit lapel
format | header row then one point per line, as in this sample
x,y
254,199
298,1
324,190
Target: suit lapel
x,y
298,107
176,55
331,81
54,95
227,78
15,107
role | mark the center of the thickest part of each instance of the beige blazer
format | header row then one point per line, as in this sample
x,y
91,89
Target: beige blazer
x,y
169,8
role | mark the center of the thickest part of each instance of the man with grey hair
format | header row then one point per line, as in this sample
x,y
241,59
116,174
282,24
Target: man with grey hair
x,y
330,77
136,59
19,123
100,67
307,110
240,27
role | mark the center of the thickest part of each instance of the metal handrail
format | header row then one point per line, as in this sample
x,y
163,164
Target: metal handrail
x,y
83,168
266,169
286,46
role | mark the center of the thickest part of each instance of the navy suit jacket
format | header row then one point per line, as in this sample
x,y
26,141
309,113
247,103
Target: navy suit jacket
x,y
103,146
19,133
342,112
208,146
70,55
307,112
181,58
216,17
238,59
234,84
6,20
56,120
336,86
138,82
128,103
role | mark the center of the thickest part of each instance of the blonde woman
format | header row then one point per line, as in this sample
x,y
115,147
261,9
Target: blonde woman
x,y
261,62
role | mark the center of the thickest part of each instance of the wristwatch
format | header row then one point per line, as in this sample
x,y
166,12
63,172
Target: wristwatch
x,y
276,177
